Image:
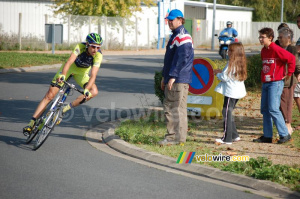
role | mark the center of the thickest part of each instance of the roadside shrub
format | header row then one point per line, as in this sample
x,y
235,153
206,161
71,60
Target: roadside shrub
x,y
254,66
157,80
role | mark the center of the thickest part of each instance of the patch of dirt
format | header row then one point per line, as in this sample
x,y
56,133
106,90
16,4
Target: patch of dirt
x,y
249,124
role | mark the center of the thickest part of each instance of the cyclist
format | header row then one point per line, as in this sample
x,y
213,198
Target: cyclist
x,y
86,56
229,31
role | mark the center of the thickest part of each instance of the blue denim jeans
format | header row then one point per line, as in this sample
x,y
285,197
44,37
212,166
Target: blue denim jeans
x,y
270,103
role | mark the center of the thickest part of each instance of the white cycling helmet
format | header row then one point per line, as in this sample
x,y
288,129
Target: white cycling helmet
x,y
228,23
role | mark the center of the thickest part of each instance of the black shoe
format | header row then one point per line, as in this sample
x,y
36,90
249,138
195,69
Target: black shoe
x,y
263,139
284,139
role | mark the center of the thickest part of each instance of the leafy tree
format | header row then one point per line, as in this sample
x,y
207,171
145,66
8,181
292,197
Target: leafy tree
x,y
109,8
267,10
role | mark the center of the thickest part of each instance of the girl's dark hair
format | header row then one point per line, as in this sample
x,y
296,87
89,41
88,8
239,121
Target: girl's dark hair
x,y
282,25
269,32
237,66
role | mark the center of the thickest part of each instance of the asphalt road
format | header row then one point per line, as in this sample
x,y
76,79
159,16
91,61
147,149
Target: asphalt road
x,y
66,166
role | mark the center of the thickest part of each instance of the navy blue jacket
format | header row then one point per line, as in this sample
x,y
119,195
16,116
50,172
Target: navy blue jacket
x,y
179,57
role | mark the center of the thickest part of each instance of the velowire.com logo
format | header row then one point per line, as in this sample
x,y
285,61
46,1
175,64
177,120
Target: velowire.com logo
x,y
187,158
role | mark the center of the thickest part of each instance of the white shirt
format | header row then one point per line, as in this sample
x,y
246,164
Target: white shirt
x,y
230,87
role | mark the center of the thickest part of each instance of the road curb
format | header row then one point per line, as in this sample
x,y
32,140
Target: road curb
x,y
106,133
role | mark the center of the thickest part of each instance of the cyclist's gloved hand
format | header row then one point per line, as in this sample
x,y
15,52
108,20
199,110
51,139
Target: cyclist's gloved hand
x,y
87,93
61,77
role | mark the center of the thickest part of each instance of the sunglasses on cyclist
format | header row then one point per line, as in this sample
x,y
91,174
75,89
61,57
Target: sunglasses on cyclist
x,y
93,46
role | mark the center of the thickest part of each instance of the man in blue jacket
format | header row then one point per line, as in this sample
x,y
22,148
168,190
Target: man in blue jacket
x,y
177,74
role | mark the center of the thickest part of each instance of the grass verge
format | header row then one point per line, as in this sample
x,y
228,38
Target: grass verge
x,y
274,162
15,59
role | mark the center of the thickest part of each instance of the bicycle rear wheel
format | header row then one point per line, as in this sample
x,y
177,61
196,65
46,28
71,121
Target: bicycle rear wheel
x,y
49,124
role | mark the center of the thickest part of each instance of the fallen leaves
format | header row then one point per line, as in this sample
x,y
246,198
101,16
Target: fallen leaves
x,y
217,143
230,153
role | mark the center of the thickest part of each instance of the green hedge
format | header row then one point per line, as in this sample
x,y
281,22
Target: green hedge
x,y
253,80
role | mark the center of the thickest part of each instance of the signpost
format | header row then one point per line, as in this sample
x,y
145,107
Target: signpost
x,y
54,34
202,99
164,7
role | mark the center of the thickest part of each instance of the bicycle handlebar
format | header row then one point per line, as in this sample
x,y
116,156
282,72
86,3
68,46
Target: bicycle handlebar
x,y
73,87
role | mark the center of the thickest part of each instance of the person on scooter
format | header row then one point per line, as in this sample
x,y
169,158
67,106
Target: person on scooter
x,y
229,31
227,36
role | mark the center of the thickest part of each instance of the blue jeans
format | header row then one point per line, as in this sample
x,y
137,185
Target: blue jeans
x,y
270,103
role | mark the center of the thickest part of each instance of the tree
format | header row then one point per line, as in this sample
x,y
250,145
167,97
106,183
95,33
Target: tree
x,y
109,8
267,10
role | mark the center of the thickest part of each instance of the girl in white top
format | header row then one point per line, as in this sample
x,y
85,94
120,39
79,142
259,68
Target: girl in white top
x,y
233,88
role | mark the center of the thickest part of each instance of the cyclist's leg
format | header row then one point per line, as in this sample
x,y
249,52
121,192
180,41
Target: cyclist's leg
x,y
40,108
82,78
47,98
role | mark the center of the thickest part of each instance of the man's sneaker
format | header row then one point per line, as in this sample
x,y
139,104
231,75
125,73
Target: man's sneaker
x,y
263,139
236,139
222,142
167,142
27,129
66,108
284,139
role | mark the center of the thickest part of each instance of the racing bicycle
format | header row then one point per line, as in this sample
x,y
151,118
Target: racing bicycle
x,y
51,116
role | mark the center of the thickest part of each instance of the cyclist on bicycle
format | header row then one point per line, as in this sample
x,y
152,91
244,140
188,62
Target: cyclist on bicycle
x,y
85,56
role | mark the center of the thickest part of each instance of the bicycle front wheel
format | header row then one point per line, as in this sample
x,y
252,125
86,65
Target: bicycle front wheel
x,y
49,124
34,132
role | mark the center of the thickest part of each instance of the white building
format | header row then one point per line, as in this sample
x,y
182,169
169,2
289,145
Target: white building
x,y
28,18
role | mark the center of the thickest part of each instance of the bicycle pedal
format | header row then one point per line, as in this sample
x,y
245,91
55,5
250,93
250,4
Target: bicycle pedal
x,y
26,132
58,121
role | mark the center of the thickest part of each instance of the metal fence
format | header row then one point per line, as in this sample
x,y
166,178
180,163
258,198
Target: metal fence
x,y
28,32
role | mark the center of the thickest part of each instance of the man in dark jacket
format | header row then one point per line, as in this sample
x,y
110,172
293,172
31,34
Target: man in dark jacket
x,y
177,74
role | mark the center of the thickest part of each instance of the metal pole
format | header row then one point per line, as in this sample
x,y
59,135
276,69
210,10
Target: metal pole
x,y
148,28
90,22
213,27
282,5
20,31
46,21
136,34
69,29
105,33
53,38
158,38
124,32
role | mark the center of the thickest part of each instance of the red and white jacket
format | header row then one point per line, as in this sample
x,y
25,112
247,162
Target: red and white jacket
x,y
274,60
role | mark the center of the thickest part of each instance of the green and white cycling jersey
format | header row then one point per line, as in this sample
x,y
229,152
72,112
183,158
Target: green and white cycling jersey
x,y
81,66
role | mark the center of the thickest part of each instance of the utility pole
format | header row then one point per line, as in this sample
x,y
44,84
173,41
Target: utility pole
x,y
213,27
282,5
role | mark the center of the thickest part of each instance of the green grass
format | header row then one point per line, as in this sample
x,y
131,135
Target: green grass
x,y
15,59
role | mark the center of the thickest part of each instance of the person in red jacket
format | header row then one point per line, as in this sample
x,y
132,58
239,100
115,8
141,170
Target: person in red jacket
x,y
274,60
